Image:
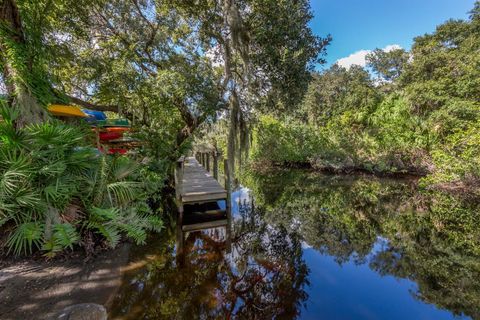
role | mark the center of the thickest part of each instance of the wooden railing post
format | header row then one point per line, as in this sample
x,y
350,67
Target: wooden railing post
x,y
227,186
208,161
178,177
228,203
215,165
178,197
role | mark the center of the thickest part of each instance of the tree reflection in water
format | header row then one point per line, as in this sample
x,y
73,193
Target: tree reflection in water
x,y
262,277
432,239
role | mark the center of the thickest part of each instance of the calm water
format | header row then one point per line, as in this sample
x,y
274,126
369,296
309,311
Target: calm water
x,y
308,246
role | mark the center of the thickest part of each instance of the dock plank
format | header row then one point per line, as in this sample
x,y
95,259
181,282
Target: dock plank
x,y
199,185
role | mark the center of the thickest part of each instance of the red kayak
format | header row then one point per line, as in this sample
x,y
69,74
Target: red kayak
x,y
106,136
117,151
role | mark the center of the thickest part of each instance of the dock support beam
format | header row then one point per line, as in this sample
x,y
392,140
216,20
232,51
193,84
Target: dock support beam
x,y
208,162
228,204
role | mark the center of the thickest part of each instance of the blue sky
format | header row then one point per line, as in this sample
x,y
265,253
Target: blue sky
x,y
361,25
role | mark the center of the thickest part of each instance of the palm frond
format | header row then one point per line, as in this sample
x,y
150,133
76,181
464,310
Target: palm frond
x,y
123,192
154,223
64,236
55,134
134,231
102,215
25,237
110,233
122,167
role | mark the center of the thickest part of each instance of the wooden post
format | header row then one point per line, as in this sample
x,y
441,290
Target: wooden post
x,y
178,178
178,197
208,162
215,165
228,204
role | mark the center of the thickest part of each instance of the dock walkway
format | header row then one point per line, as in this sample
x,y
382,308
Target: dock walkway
x,y
198,185
198,194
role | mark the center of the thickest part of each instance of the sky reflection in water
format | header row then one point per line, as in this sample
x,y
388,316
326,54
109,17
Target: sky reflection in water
x,y
313,247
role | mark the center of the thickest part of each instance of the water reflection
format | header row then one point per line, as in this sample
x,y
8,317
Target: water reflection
x,y
263,276
314,247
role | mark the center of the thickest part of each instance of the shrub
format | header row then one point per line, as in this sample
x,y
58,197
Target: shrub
x,y
53,186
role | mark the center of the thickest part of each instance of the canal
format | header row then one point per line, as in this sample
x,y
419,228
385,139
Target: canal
x,y
311,246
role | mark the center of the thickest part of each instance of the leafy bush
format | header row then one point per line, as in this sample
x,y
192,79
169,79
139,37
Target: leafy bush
x,y
386,140
53,186
279,142
457,160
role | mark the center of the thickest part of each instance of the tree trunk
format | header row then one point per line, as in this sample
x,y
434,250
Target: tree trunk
x,y
16,66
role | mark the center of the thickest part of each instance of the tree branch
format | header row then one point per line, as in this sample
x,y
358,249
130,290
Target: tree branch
x,y
92,106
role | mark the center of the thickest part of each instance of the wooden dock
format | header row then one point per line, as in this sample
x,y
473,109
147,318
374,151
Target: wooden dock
x,y
198,194
198,185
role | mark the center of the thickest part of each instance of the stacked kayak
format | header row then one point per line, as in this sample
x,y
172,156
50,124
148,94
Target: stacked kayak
x,y
110,133
94,116
60,110
107,129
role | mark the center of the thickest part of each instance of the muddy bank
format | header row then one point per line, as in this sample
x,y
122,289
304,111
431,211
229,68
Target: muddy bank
x,y
38,290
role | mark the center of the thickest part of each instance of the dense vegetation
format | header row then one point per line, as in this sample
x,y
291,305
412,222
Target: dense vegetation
x,y
56,192
239,72
414,112
167,66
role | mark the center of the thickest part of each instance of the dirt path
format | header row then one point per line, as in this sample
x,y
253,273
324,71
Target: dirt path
x,y
38,290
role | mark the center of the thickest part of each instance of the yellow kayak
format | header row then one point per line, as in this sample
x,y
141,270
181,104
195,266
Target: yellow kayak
x,y
66,111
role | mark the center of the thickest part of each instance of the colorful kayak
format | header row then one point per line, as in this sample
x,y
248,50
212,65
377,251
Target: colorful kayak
x,y
106,136
116,129
95,115
117,151
113,123
61,110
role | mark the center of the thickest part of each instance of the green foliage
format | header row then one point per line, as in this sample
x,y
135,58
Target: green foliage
x,y
387,139
46,170
275,141
388,65
283,48
26,236
420,117
64,237
337,90
457,160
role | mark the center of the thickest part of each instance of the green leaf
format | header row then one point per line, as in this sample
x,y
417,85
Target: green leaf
x,y
25,237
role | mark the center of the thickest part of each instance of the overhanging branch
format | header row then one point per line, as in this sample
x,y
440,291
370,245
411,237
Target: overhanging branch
x,y
92,106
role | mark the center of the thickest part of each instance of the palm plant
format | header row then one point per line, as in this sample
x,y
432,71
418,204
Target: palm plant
x,y
41,170
53,187
117,204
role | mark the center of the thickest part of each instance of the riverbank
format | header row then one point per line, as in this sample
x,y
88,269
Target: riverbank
x,y
263,166
39,289
464,189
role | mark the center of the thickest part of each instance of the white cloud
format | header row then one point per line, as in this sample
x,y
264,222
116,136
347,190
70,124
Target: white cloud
x,y
392,47
358,58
